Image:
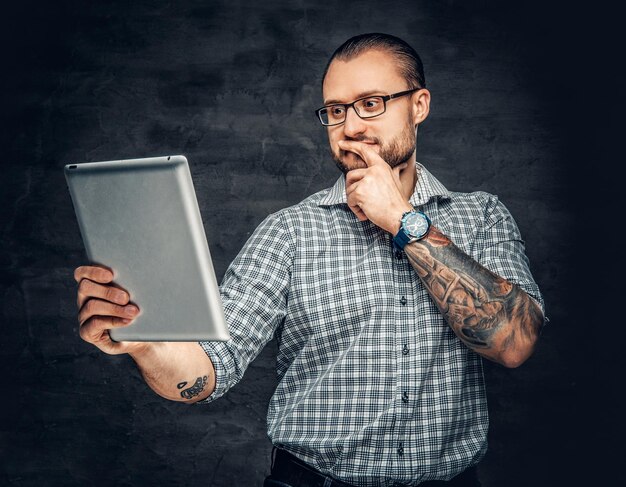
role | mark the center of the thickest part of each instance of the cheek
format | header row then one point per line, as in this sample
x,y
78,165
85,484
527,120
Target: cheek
x,y
334,136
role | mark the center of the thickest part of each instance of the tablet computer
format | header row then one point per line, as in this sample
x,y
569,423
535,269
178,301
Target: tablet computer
x,y
140,218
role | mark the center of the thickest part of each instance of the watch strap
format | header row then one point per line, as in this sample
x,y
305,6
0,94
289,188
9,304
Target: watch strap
x,y
401,239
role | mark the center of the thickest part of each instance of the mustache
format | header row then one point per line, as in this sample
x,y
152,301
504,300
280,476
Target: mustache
x,y
362,138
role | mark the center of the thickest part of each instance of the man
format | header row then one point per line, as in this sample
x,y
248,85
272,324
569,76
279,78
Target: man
x,y
384,291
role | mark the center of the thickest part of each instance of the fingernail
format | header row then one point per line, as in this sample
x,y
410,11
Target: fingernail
x,y
131,310
126,321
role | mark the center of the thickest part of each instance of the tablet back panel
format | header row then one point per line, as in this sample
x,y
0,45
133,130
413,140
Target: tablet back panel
x,y
140,217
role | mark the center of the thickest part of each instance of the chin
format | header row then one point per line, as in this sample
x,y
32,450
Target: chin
x,y
355,163
346,164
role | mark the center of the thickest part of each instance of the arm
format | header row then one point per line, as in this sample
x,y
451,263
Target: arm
x,y
492,316
179,371
254,295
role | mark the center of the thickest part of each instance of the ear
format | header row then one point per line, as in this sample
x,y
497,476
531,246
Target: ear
x,y
420,101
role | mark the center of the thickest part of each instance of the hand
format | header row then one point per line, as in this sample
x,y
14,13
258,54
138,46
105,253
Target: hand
x,y
375,193
102,306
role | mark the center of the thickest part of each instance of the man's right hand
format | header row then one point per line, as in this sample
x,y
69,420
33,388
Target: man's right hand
x,y
101,306
165,366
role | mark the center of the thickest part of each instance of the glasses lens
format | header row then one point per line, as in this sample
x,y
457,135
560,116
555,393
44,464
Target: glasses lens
x,y
332,115
370,107
322,113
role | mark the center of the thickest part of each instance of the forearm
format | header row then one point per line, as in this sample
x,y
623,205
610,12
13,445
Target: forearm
x,y
179,371
492,316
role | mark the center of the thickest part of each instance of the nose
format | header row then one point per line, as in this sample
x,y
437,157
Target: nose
x,y
354,125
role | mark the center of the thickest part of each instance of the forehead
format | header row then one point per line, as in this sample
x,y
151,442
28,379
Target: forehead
x,y
374,70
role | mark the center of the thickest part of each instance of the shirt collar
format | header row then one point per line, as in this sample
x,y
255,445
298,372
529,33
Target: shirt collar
x,y
427,187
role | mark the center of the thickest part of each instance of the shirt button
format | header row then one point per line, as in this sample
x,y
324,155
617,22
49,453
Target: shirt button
x,y
405,350
400,450
399,254
405,396
403,301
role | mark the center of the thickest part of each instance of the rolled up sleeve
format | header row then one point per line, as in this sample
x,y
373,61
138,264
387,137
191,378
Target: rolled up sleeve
x,y
254,294
503,250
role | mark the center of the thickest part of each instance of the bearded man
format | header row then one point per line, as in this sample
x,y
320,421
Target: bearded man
x,y
384,292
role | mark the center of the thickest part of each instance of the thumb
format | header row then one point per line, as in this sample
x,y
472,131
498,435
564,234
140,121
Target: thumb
x,y
397,170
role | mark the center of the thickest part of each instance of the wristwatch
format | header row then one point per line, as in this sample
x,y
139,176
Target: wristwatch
x,y
414,226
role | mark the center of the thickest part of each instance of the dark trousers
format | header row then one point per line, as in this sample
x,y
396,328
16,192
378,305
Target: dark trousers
x,y
290,471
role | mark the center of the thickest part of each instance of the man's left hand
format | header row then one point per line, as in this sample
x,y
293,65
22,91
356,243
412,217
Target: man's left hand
x,y
375,193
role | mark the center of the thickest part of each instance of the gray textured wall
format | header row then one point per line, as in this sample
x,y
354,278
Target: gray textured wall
x,y
232,85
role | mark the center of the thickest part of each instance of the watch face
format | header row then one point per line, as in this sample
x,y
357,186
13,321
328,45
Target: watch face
x,y
416,225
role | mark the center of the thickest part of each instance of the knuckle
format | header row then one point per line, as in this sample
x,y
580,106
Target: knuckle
x,y
85,331
78,273
90,307
83,286
111,294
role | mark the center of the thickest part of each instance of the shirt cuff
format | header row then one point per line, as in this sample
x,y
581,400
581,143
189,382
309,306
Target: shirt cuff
x,y
215,351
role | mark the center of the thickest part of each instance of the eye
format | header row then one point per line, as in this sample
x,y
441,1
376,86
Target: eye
x,y
336,110
371,104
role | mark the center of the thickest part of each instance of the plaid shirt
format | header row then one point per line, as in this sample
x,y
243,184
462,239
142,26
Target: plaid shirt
x,y
374,387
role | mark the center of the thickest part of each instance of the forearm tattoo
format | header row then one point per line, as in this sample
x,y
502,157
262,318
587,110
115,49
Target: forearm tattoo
x,y
195,390
475,302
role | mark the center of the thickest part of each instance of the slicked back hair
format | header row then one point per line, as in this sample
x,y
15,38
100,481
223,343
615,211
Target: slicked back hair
x,y
409,62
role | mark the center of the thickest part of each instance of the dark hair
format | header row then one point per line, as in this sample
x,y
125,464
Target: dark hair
x,y
409,61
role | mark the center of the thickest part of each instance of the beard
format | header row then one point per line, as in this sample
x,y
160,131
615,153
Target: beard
x,y
396,152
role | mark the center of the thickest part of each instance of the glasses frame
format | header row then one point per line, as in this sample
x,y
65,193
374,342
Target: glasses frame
x,y
385,99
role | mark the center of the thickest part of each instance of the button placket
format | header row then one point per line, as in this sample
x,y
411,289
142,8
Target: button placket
x,y
403,292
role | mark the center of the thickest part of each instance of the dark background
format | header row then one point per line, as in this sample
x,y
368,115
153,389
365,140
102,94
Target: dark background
x,y
524,106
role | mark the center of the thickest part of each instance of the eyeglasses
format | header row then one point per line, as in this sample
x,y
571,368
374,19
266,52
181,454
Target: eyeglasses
x,y
367,107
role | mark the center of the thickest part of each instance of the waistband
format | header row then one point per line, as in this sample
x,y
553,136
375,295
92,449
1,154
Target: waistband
x,y
292,471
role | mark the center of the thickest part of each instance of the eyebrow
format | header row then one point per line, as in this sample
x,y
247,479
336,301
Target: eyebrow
x,y
359,96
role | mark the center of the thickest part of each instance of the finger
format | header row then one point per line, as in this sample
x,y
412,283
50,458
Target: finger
x,y
94,273
352,180
398,169
97,307
90,289
361,216
355,175
363,150
351,189
354,206
96,332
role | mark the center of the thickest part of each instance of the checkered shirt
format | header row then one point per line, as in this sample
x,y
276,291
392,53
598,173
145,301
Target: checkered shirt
x,y
375,389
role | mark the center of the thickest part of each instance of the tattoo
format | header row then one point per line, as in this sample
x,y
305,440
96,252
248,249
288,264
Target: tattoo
x,y
195,389
475,302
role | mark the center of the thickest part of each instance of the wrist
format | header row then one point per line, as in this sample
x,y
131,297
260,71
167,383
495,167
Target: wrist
x,y
414,226
396,219
140,351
